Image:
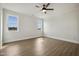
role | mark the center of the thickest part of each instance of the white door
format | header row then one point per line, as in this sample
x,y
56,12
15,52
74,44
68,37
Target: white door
x,y
40,27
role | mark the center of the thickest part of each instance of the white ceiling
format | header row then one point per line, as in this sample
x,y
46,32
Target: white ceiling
x,y
25,8
30,9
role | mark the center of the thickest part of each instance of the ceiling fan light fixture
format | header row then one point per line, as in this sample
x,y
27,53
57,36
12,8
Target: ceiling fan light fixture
x,y
43,10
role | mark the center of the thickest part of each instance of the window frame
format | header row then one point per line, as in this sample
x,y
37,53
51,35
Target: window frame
x,y
16,24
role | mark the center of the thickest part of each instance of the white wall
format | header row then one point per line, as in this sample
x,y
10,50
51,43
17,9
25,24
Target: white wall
x,y
27,27
78,22
63,24
0,26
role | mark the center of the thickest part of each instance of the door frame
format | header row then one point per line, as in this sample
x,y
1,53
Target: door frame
x,y
1,27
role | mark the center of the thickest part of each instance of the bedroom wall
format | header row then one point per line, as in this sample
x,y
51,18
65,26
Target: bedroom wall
x,y
0,26
1,29
78,22
27,27
63,24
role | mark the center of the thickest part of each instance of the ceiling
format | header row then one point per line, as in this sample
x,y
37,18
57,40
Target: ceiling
x,y
30,9
25,8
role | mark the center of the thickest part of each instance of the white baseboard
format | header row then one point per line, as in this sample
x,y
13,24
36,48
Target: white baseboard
x,y
63,39
23,38
0,46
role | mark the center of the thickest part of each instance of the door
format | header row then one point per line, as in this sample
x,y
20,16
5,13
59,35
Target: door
x,y
40,26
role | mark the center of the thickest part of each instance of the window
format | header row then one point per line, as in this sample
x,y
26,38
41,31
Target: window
x,y
12,23
39,24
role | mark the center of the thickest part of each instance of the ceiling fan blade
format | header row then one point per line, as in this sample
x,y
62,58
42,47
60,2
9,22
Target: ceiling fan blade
x,y
49,9
47,5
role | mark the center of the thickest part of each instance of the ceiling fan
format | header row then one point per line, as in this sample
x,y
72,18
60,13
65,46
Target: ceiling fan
x,y
45,7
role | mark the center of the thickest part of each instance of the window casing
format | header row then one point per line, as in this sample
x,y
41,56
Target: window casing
x,y
12,23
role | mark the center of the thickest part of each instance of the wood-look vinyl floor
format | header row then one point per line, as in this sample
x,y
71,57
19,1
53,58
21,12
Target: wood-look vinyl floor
x,y
40,47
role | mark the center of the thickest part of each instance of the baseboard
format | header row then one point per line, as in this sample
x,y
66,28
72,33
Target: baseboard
x,y
0,46
63,39
23,38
